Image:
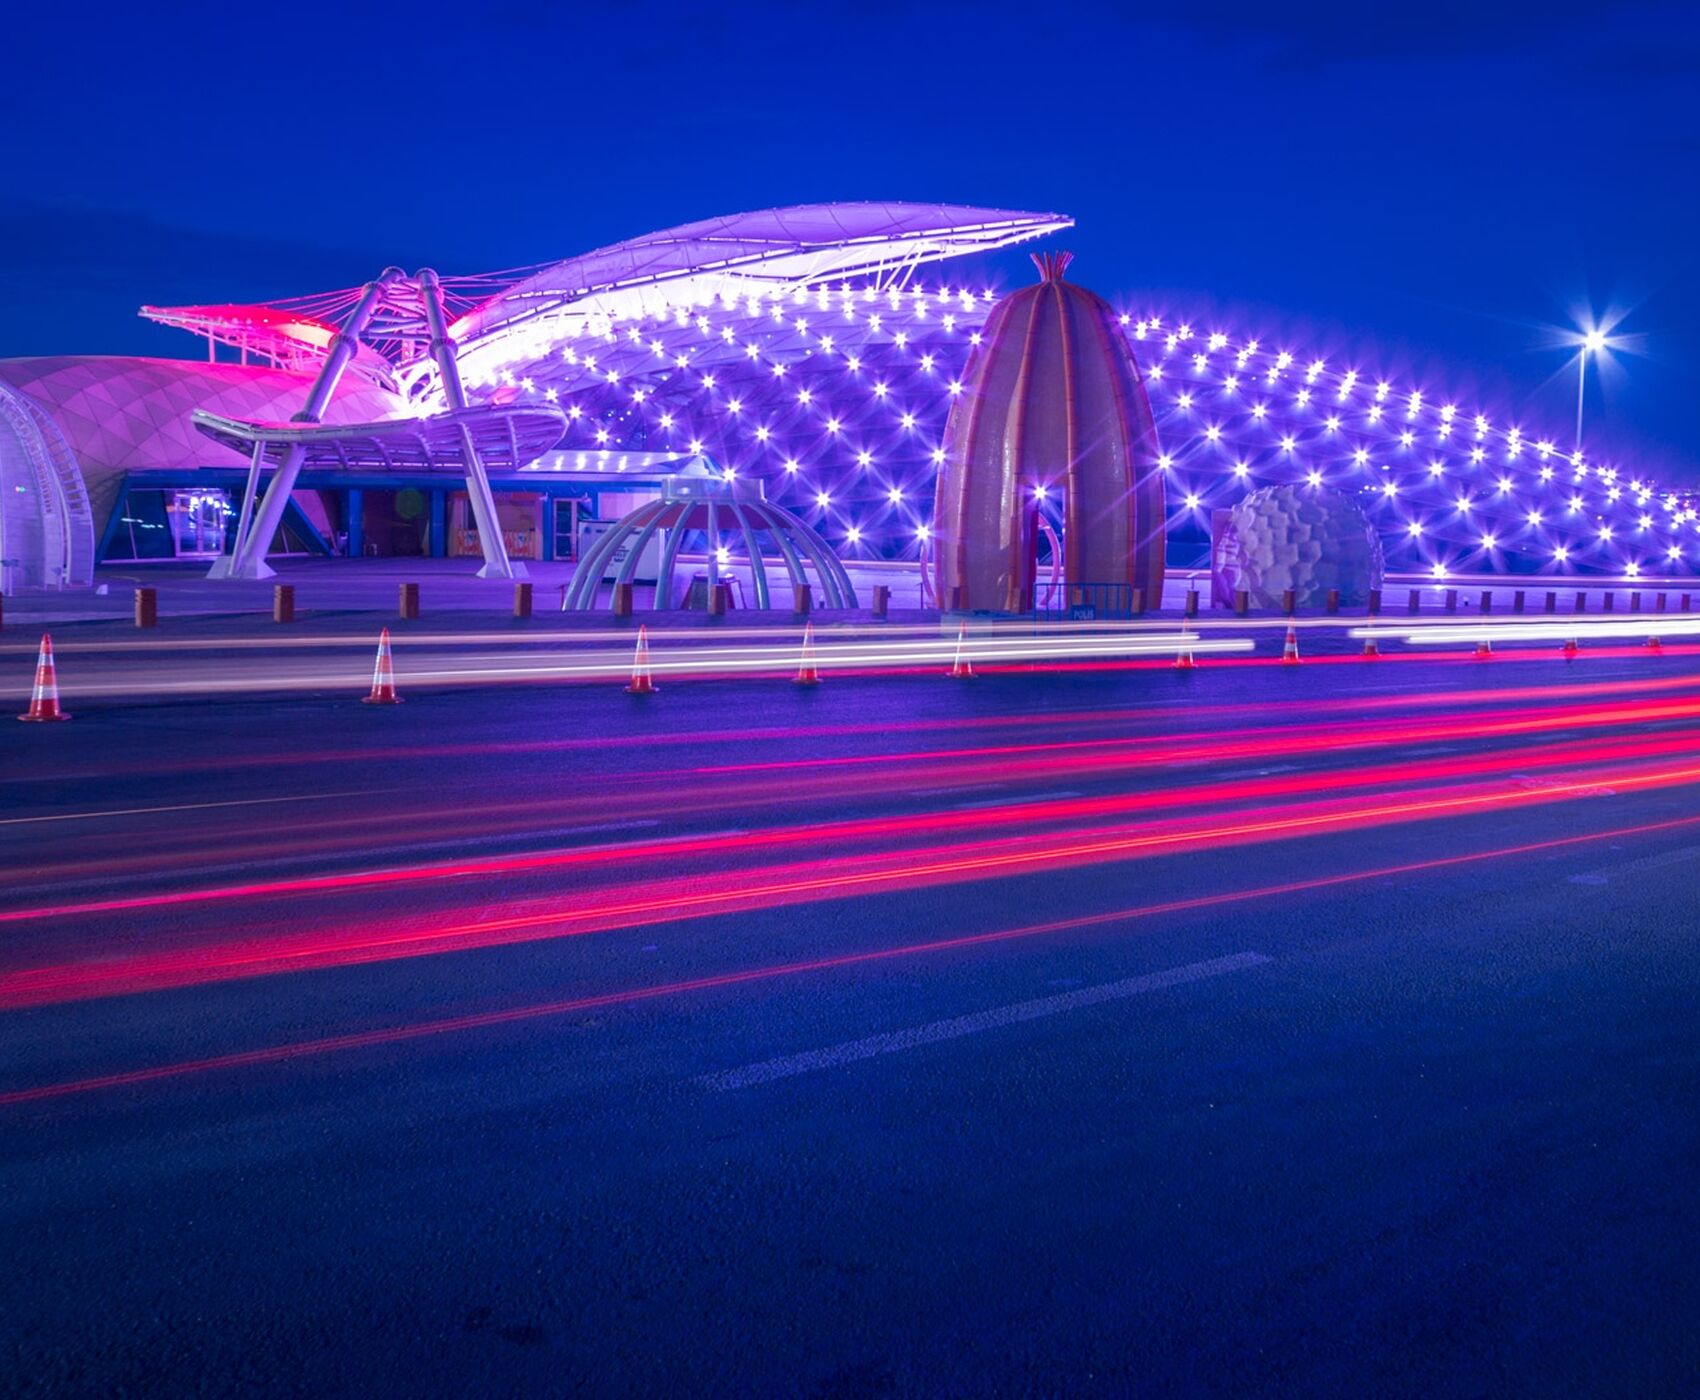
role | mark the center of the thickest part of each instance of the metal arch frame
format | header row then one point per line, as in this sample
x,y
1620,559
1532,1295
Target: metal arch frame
x,y
257,526
758,571
638,540
787,551
444,352
828,565
581,593
798,544
64,519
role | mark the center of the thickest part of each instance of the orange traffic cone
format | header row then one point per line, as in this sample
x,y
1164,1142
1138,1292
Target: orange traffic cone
x,y
961,669
1484,650
641,684
807,672
44,700
1183,659
1371,651
383,675
1570,648
1290,653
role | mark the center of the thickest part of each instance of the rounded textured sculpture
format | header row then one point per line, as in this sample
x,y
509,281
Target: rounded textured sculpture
x,y
1052,417
1304,538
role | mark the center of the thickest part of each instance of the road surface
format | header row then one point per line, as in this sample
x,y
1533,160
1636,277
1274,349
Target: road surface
x,y
1254,1030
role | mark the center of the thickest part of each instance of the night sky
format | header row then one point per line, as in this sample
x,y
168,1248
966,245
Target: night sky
x,y
1432,190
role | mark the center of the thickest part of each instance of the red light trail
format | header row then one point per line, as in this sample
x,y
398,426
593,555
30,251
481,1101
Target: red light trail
x,y
672,898
358,1040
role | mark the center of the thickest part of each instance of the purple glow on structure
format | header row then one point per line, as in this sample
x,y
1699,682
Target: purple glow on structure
x,y
851,442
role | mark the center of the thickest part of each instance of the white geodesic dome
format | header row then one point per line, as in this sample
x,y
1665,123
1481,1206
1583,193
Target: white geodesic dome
x,y
1305,538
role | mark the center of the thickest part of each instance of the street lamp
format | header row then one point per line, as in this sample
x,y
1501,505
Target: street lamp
x,y
1592,343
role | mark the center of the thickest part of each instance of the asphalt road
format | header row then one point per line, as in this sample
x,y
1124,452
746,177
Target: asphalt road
x,y
1322,1030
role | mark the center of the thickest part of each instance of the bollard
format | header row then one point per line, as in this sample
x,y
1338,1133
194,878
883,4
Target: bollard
x,y
1634,602
1289,601
1659,602
1605,603
147,607
1333,602
1242,601
622,600
719,599
1416,599
1374,608
802,600
1192,602
1581,601
1487,600
882,601
408,605
1136,601
1517,601
283,602
1451,600
522,600
1552,602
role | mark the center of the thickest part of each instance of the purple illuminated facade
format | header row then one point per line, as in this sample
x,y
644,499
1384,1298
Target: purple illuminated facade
x,y
820,349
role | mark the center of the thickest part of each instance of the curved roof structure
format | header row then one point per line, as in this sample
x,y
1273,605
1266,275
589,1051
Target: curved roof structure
x,y
803,348
1452,487
504,437
71,426
501,318
288,338
802,246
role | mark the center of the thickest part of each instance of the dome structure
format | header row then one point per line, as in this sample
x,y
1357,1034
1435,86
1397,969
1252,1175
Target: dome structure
x,y
1309,540
709,510
1053,420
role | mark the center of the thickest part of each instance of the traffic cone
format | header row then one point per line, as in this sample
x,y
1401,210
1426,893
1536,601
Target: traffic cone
x,y
1290,653
1371,651
1183,660
1484,650
961,669
383,675
44,699
1570,648
807,672
641,684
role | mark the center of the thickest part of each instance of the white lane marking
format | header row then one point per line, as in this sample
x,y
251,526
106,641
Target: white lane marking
x,y
1681,856
1575,789
931,1034
1023,799
187,807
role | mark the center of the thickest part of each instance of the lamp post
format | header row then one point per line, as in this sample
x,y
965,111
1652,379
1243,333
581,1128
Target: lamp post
x,y
1592,343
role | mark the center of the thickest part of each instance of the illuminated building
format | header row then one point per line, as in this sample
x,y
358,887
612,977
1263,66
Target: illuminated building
x,y
817,350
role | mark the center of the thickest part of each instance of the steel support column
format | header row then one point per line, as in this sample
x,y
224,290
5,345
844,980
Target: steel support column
x,y
496,561
254,537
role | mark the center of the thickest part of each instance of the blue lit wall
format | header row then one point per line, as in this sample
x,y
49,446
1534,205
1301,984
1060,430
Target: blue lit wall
x,y
838,399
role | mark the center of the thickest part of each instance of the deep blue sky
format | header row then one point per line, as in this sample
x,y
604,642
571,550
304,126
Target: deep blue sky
x,y
1424,187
